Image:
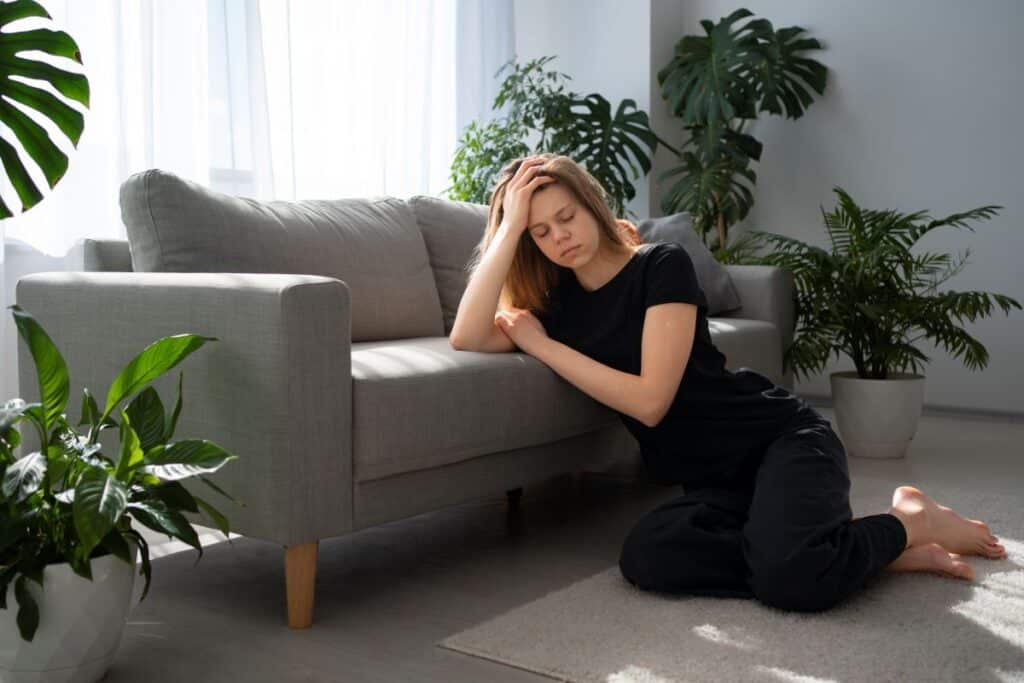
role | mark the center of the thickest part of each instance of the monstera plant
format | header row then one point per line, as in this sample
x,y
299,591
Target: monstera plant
x,y
717,84
581,127
33,138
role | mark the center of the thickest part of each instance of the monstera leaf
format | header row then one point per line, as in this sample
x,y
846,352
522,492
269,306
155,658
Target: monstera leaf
x,y
604,143
34,139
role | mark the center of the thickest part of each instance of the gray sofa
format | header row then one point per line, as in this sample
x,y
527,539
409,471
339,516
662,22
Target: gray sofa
x,y
332,378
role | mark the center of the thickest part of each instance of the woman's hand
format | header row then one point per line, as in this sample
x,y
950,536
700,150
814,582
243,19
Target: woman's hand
x,y
522,327
516,202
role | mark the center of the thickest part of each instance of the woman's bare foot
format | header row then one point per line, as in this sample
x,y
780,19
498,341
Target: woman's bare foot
x,y
932,557
928,522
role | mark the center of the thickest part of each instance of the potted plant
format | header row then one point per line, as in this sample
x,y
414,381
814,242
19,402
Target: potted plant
x,y
581,127
716,84
871,298
67,544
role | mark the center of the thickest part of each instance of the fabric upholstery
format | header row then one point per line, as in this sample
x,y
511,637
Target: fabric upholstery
x,y
712,275
373,245
106,255
452,231
274,389
419,403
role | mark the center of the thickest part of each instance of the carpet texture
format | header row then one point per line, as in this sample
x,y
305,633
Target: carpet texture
x,y
901,627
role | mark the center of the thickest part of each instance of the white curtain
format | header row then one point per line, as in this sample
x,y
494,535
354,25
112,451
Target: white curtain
x,y
263,98
147,64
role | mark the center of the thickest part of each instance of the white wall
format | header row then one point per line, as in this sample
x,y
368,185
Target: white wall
x,y
604,45
920,112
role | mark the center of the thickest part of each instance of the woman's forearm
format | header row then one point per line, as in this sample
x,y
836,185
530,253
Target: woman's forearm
x,y
475,317
621,391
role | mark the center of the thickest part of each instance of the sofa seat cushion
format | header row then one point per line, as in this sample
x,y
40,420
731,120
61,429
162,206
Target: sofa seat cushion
x,y
373,245
419,403
753,344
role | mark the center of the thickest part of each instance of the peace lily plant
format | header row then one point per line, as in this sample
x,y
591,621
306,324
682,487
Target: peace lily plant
x,y
70,503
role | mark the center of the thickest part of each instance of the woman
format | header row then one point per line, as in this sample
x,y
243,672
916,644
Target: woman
x,y
766,510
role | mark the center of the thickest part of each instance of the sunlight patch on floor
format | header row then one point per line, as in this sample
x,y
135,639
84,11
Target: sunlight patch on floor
x,y
997,601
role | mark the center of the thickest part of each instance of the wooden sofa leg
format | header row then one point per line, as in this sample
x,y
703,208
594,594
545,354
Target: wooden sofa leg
x,y
300,580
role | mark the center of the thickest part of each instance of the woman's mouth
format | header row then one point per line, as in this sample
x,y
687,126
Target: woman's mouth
x,y
570,251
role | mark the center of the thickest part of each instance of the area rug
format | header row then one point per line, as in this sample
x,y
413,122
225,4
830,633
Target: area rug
x,y
901,627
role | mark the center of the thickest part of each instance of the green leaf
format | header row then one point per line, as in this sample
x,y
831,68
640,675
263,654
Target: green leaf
x,y
51,370
174,495
19,176
115,543
56,43
155,360
173,423
36,142
219,519
24,477
158,517
12,11
100,500
28,612
131,453
186,459
221,491
146,412
144,555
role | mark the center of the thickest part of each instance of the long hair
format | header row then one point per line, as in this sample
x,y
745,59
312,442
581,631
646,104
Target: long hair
x,y
532,275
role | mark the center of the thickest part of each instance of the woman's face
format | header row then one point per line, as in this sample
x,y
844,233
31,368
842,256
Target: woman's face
x,y
558,222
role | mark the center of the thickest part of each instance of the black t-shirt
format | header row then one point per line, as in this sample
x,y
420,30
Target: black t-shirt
x,y
720,422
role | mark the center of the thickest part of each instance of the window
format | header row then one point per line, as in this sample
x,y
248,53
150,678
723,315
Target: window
x,y
231,157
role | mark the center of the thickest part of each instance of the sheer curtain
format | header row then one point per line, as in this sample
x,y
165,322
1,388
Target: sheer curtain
x,y
147,64
261,98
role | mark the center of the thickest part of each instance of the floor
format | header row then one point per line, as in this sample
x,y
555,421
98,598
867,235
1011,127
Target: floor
x,y
387,595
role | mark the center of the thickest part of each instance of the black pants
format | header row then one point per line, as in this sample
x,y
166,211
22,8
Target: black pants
x,y
785,536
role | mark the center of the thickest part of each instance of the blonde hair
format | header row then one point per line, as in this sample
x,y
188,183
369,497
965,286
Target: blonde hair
x,y
532,275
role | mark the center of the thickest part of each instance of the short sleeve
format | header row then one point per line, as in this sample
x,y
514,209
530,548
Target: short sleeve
x,y
670,277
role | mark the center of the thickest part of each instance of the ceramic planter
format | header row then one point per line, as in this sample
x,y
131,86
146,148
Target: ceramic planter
x,y
877,418
80,624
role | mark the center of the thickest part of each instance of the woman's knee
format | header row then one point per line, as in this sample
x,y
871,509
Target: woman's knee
x,y
635,560
792,588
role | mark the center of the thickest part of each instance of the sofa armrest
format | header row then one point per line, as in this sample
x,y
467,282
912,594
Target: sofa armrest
x,y
766,293
275,389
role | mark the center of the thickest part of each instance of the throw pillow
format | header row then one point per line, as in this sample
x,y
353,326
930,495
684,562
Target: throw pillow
x,y
713,277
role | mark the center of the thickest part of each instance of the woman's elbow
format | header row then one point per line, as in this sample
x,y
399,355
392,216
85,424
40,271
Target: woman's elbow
x,y
654,417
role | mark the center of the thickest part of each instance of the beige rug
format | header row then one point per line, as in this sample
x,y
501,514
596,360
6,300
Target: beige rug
x,y
901,627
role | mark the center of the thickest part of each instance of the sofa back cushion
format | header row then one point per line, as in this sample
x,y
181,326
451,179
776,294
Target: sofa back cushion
x,y
371,244
451,230
713,277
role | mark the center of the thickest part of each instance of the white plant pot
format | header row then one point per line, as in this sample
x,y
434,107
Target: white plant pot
x,y
877,418
80,624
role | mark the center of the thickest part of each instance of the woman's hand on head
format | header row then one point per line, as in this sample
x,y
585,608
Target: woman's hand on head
x,y
522,327
516,202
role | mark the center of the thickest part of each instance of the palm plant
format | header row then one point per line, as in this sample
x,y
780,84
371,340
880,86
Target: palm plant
x,y
867,295
33,138
717,84
581,127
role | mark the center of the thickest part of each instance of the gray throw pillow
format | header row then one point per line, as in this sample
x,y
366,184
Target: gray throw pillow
x,y
452,230
713,277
